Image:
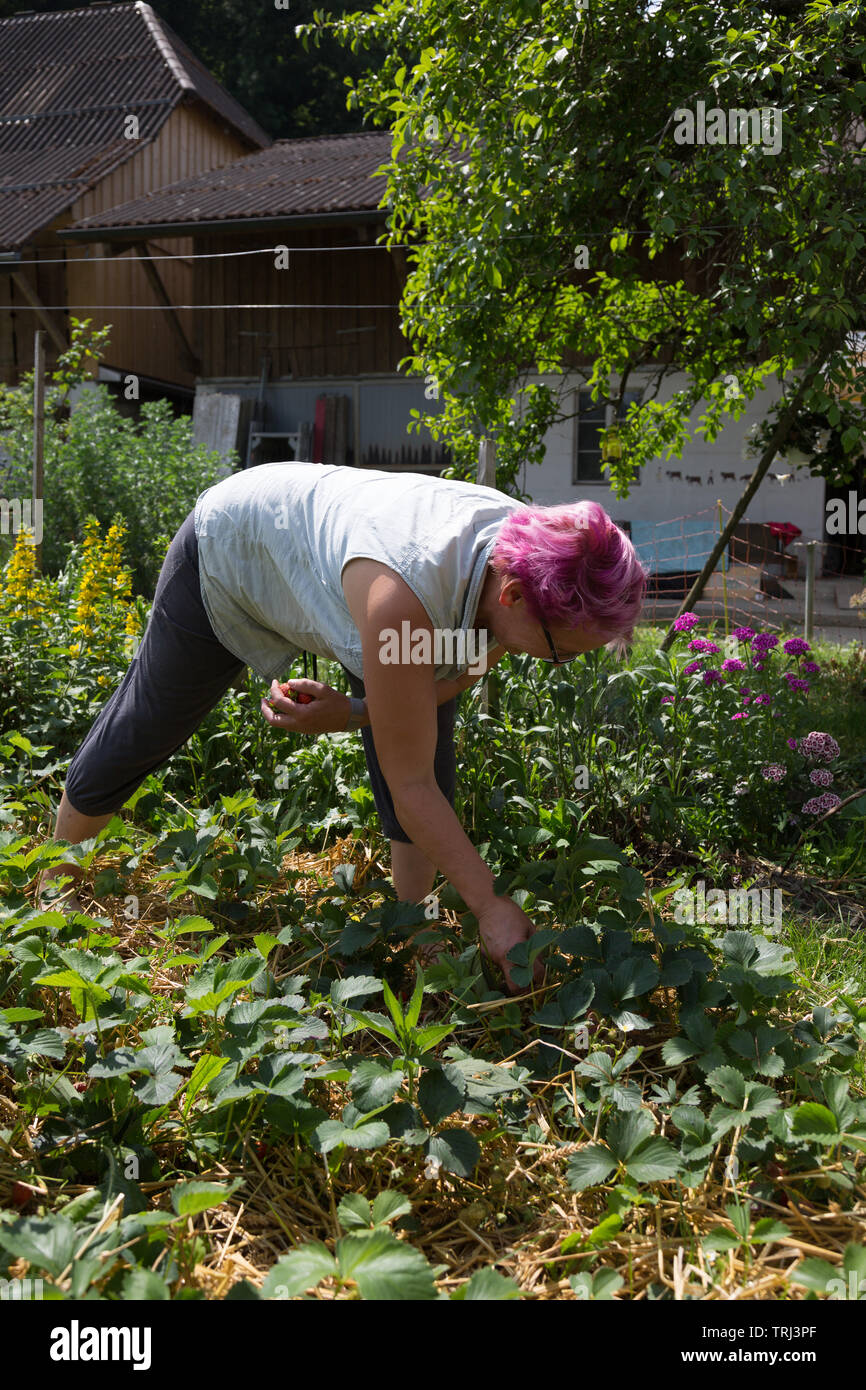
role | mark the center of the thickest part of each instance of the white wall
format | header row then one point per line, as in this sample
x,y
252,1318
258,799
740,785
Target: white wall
x,y
658,497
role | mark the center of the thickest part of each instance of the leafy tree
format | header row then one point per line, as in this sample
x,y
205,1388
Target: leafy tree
x,y
559,220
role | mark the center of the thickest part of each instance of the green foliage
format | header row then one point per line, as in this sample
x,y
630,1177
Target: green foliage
x,y
160,1061
101,463
554,219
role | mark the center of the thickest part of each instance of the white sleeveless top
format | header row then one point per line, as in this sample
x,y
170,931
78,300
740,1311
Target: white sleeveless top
x,y
274,540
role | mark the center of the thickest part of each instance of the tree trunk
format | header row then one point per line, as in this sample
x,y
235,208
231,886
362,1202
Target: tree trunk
x,y
779,435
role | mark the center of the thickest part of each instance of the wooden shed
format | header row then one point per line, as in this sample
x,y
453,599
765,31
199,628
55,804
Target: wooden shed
x,y
97,106
297,306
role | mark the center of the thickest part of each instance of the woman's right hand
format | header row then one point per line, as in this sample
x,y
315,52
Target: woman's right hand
x,y
326,713
501,924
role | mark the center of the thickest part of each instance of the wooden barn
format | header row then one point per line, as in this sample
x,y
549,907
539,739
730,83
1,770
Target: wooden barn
x,y
296,325
97,106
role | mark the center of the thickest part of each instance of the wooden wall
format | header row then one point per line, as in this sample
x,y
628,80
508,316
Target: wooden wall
x,y
191,141
301,342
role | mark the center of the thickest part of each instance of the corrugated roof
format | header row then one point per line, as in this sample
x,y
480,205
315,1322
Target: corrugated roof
x,y
67,81
294,178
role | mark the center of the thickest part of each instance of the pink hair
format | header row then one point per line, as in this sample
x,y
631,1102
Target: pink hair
x,y
576,568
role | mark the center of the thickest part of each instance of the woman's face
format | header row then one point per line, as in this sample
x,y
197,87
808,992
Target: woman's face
x,y
504,613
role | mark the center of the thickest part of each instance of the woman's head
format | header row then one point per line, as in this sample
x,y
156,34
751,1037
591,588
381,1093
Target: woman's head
x,y
576,569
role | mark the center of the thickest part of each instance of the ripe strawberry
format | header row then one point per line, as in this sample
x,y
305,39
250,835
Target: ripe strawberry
x,y
21,1194
81,1085
297,696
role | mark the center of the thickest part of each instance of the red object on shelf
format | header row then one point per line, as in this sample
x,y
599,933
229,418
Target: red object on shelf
x,y
318,449
784,531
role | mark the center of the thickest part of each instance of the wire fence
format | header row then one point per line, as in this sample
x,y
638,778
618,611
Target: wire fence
x,y
763,576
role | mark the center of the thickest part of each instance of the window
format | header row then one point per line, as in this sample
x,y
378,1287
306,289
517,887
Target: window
x,y
593,416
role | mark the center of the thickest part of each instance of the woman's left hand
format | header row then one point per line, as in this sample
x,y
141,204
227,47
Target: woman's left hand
x,y
327,713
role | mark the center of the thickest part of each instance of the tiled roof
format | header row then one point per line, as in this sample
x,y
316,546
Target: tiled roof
x,y
67,81
293,178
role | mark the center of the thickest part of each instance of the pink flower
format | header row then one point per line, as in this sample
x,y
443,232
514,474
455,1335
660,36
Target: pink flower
x,y
743,714
685,622
700,644
762,699
772,772
692,667
792,743
821,777
818,747
759,665
733,663
744,634
818,804
667,699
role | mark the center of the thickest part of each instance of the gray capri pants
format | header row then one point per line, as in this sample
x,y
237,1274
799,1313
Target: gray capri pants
x,y
181,670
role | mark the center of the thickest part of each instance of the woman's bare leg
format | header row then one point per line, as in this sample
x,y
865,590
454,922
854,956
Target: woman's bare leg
x,y
413,876
73,826
412,873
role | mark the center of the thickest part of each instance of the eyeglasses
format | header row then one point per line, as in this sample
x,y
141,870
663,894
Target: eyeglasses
x,y
555,658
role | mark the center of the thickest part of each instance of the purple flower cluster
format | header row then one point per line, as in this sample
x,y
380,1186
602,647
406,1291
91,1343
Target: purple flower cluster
x,y
685,622
773,772
818,747
811,668
712,677
700,644
795,646
763,699
743,714
733,663
764,642
692,667
667,699
744,634
818,804
821,777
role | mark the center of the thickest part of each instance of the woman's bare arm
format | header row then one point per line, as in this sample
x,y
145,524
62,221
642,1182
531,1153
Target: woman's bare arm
x,y
401,702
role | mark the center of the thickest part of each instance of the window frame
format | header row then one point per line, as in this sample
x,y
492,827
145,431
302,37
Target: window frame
x,y
635,394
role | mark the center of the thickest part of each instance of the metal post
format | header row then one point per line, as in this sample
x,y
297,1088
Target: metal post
x,y
724,575
38,435
810,589
486,477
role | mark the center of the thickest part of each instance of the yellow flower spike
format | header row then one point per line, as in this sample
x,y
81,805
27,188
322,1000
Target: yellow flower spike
x,y
23,591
